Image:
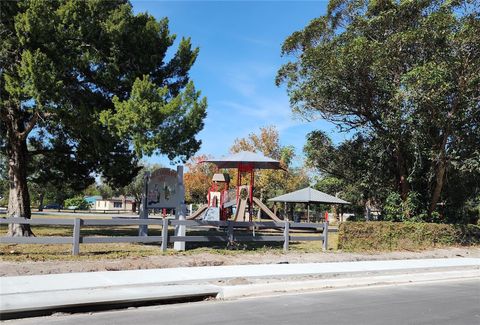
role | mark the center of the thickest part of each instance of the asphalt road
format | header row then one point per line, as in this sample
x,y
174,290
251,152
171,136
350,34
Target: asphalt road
x,y
455,302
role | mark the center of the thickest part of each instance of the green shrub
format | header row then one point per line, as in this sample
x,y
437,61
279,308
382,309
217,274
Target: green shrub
x,y
78,202
387,236
396,209
4,201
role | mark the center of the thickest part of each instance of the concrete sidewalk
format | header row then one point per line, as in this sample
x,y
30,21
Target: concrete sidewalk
x,y
56,291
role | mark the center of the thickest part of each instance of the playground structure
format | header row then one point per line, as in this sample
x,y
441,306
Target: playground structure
x,y
237,203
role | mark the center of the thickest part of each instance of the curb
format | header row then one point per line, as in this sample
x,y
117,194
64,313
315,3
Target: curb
x,y
25,296
238,291
196,275
41,303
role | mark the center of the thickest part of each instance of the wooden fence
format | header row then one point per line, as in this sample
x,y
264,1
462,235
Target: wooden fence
x,y
232,232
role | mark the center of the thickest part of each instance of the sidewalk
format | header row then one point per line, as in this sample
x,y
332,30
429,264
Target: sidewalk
x,y
56,291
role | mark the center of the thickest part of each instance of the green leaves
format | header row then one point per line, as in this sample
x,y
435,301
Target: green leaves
x,y
37,78
93,76
405,74
157,123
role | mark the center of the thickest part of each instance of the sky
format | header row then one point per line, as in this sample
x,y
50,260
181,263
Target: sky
x,y
240,54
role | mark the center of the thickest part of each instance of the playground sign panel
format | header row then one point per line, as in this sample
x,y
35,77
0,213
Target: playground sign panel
x,y
163,190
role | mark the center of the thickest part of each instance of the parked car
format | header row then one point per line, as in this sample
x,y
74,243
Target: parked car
x,y
55,206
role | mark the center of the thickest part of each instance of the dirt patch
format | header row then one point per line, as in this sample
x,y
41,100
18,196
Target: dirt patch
x,y
209,259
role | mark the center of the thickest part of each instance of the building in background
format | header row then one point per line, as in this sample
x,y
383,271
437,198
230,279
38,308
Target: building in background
x,y
125,203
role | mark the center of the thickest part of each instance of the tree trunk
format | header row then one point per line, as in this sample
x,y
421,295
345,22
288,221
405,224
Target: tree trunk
x,y
19,198
439,177
335,212
402,174
439,180
40,201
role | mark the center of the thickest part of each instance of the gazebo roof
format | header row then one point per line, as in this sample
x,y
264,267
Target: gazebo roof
x,y
308,195
246,159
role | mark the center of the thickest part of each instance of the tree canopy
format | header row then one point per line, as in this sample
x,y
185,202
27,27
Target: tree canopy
x,y
198,179
90,82
270,183
405,77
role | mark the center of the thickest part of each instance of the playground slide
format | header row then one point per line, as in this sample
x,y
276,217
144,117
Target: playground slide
x,y
230,203
198,213
240,213
265,209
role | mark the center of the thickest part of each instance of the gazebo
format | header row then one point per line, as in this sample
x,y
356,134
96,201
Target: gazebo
x,y
308,196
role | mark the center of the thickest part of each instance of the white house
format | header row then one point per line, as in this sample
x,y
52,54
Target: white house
x,y
116,203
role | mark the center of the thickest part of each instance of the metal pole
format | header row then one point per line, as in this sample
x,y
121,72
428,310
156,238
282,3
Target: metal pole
x,y
164,235
286,235
325,236
308,212
180,230
250,205
77,223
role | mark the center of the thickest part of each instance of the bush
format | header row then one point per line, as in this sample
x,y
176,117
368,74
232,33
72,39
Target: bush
x,y
395,209
78,202
388,236
3,201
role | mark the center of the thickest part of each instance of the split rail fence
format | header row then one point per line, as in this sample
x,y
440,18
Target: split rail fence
x,y
231,232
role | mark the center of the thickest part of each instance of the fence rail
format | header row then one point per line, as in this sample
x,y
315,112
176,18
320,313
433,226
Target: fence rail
x,y
233,232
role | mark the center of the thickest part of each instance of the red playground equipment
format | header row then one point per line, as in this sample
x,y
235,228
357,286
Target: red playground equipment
x,y
220,202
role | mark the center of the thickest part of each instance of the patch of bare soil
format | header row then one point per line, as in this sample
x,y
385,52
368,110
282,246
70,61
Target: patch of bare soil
x,y
209,259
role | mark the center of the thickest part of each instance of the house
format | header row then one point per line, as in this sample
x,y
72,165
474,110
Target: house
x,y
92,199
125,203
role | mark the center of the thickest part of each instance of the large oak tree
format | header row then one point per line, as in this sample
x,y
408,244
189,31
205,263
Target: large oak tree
x,y
406,75
90,81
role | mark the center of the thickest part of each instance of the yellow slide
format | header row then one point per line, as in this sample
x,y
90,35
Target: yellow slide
x,y
198,213
265,209
240,213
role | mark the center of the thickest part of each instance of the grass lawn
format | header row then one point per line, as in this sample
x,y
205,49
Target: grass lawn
x,y
38,252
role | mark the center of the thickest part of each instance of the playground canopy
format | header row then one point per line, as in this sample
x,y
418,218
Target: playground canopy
x,y
246,160
308,195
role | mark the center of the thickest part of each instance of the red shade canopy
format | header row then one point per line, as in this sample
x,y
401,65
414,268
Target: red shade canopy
x,y
246,160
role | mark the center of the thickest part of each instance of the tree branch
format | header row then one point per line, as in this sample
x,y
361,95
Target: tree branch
x,y
30,125
48,151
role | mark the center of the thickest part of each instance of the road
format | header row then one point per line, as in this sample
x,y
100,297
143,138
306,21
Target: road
x,y
454,302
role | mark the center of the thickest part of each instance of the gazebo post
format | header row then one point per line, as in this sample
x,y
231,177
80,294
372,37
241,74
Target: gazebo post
x,y
308,211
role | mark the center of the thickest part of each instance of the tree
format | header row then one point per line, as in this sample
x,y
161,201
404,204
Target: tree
x,y
56,177
90,80
136,188
404,74
198,179
359,167
77,203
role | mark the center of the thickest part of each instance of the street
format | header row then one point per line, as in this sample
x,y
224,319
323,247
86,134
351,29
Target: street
x,y
453,302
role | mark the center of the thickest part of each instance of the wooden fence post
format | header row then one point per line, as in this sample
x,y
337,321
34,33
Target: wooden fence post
x,y
77,223
286,235
325,236
231,238
164,235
